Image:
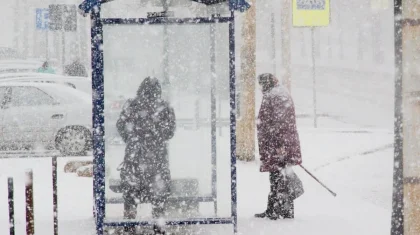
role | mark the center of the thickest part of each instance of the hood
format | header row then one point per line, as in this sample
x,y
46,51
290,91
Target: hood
x,y
267,82
150,90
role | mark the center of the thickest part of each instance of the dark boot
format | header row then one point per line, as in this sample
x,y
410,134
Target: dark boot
x,y
272,198
282,210
130,209
158,230
288,210
268,213
262,215
130,212
276,212
129,230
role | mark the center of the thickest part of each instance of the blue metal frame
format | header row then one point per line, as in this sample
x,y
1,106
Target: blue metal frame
x,y
397,217
98,120
232,89
200,20
94,8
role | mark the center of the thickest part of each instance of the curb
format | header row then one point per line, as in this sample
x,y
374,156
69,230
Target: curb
x,y
367,152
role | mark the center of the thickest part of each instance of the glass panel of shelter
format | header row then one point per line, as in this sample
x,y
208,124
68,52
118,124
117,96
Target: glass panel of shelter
x,y
132,53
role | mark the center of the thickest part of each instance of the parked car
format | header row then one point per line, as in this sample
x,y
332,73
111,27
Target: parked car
x,y
50,116
113,105
79,83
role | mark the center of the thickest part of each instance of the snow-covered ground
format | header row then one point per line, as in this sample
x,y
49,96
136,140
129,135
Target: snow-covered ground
x,y
362,180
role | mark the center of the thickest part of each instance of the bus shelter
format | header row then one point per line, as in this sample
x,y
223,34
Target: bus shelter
x,y
189,48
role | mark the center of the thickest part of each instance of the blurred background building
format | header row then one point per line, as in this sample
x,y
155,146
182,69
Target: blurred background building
x,y
354,55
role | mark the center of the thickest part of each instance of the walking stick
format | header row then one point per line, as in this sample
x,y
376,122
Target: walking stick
x,y
323,185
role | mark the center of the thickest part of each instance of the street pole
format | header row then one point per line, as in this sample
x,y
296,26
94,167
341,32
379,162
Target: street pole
x,y
47,40
246,123
314,76
17,24
47,54
166,55
63,48
25,42
35,42
273,38
397,217
406,193
285,43
79,30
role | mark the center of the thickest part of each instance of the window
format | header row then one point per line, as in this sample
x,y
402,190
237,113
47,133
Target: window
x,y
29,96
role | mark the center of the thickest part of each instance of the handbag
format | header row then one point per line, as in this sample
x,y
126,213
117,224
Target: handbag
x,y
294,184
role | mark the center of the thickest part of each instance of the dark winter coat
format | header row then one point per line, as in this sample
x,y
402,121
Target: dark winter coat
x,y
146,124
278,139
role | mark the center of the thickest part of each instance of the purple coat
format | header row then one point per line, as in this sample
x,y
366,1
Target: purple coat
x,y
278,139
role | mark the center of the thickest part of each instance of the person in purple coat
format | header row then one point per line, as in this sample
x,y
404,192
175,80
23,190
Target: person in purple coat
x,y
279,147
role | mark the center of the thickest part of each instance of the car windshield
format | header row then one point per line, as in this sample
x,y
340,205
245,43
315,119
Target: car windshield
x,y
66,94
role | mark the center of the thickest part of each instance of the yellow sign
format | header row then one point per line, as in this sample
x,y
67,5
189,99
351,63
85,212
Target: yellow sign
x,y
378,5
311,13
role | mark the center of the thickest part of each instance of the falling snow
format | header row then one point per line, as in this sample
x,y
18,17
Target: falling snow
x,y
155,109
